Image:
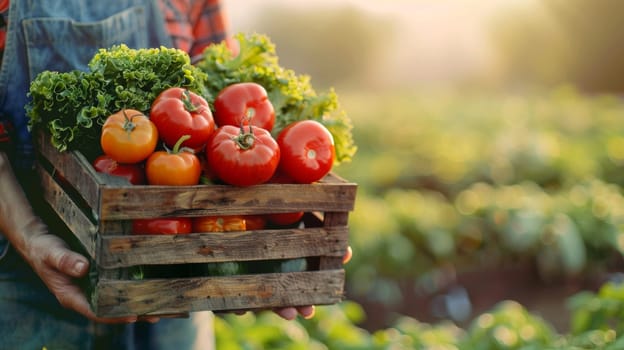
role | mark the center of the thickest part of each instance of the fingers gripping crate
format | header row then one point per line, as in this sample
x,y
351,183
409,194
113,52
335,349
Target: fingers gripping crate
x,y
99,209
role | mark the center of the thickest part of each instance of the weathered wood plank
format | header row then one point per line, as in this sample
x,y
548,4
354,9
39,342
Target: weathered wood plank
x,y
170,296
122,203
332,219
99,210
82,178
123,251
67,210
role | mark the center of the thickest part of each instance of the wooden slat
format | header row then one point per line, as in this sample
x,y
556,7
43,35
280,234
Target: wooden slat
x,y
73,217
332,219
124,251
122,203
170,296
72,167
112,198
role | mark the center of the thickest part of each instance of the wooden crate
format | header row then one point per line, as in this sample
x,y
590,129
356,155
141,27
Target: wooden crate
x,y
98,209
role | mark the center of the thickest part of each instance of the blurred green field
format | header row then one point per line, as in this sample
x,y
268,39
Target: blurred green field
x,y
481,178
456,184
504,207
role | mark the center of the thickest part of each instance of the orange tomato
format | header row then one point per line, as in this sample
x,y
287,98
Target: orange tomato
x,y
128,136
219,223
177,167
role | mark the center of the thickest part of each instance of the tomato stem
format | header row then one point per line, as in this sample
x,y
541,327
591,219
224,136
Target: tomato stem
x,y
245,140
188,103
177,148
128,126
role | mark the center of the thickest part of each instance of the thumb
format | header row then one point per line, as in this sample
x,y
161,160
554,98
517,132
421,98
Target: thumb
x,y
68,262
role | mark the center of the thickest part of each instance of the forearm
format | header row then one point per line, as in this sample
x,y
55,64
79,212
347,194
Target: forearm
x,y
17,221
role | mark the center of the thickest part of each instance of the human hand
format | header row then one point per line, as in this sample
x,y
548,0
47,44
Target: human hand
x,y
58,267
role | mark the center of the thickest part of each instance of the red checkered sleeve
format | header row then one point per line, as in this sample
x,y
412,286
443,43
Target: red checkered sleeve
x,y
195,24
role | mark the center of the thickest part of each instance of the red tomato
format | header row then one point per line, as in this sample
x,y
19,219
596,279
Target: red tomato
x,y
255,222
243,104
162,226
134,173
177,167
242,156
177,112
307,151
128,136
284,219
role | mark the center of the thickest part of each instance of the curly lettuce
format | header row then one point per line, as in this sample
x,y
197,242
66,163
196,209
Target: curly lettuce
x,y
72,106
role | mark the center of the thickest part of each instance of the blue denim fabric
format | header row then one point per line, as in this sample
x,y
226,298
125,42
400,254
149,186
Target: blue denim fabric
x,y
31,318
63,35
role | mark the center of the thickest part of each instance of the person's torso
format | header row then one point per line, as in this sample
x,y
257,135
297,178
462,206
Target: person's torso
x,y
62,35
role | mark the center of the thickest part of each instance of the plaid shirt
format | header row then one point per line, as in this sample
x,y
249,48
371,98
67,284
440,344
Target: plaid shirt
x,y
192,24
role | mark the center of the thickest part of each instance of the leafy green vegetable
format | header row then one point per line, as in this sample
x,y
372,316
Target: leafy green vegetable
x,y
73,105
291,94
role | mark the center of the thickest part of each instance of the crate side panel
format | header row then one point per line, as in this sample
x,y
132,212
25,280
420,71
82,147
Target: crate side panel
x,y
74,168
121,203
69,212
163,296
335,219
124,251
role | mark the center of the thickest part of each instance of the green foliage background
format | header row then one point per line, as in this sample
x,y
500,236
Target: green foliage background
x,y
471,178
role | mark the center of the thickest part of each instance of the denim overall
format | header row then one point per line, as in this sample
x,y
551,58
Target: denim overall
x,y
62,35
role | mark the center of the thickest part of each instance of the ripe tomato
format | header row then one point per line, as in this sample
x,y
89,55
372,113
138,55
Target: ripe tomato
x,y
177,112
284,219
255,222
219,223
243,104
307,151
177,167
128,136
242,156
162,226
134,173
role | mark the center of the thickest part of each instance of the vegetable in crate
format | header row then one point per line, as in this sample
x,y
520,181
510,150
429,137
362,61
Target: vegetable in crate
x,y
226,268
134,173
177,112
244,104
225,223
128,136
242,156
177,167
307,151
72,106
162,226
292,96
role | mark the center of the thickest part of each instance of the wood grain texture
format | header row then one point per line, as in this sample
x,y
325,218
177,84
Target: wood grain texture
x,y
335,219
119,203
170,296
124,251
72,215
99,210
